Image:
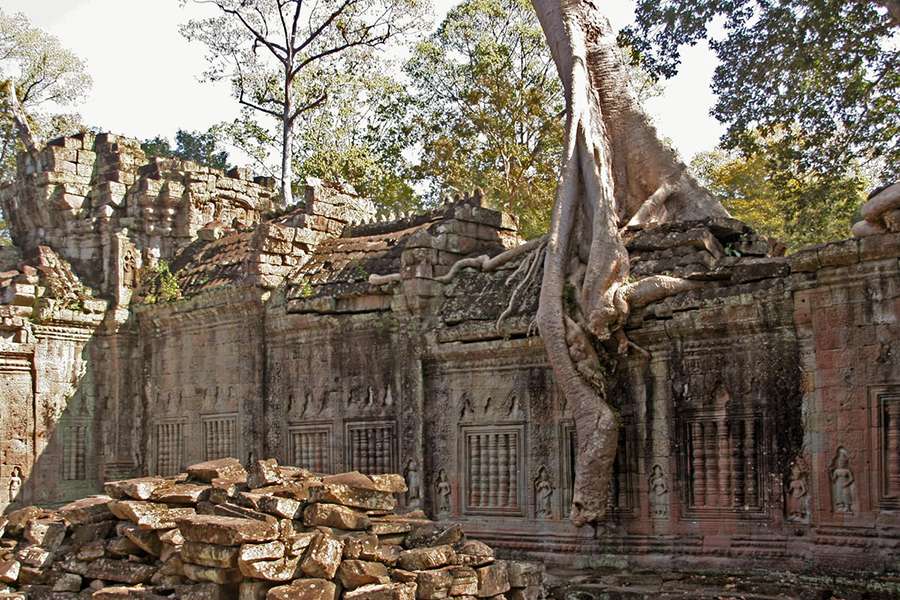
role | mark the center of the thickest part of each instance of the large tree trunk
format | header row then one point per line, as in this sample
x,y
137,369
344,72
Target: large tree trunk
x,y
20,119
615,171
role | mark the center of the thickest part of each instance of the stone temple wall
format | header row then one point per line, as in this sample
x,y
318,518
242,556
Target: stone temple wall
x,y
760,416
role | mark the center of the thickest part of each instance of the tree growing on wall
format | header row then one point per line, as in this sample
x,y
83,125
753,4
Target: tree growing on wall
x,y
281,55
615,171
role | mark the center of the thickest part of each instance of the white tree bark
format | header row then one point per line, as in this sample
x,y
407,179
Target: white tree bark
x,y
615,171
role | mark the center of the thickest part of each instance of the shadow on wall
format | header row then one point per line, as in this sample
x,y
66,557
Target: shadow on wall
x,y
48,419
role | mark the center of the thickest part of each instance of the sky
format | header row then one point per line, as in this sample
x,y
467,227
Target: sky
x,y
146,75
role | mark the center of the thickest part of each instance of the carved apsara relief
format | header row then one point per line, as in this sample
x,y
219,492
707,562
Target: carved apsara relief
x,y
658,487
797,496
843,483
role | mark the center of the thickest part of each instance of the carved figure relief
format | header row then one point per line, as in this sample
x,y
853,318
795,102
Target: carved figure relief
x,y
842,482
543,495
411,472
659,492
444,491
468,411
797,501
15,484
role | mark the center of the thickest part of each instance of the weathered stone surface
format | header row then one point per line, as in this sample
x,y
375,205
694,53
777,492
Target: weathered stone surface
x,y
355,573
433,534
264,473
9,571
322,557
493,579
121,592
226,531
122,571
227,469
148,541
307,589
360,546
254,590
335,515
419,559
210,555
141,488
354,496
148,515
268,551
524,574
34,556
474,553
434,584
183,493
383,591
46,533
285,508
67,582
211,574
282,569
87,510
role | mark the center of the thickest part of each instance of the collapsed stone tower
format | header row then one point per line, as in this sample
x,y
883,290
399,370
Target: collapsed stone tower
x,y
156,313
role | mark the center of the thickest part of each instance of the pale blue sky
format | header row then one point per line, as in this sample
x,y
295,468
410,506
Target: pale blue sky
x,y
145,73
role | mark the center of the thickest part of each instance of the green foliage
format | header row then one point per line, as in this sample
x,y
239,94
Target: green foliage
x,y
162,285
197,146
488,109
812,85
796,208
48,79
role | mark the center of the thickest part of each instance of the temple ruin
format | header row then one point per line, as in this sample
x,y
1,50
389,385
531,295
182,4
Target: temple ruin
x,y
155,313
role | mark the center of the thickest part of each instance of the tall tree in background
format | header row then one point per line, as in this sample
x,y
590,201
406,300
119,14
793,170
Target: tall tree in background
x,y
488,109
281,55
198,146
41,79
810,88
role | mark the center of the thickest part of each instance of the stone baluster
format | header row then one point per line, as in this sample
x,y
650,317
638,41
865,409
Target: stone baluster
x,y
503,468
892,448
750,464
493,471
736,432
712,464
698,466
475,470
512,499
724,456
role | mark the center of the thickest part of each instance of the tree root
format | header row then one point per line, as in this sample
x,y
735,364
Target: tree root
x,y
532,265
880,213
486,263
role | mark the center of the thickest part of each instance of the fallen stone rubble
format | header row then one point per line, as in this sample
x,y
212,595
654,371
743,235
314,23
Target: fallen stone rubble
x,y
218,532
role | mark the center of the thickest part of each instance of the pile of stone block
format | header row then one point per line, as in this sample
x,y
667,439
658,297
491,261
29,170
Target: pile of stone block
x,y
277,532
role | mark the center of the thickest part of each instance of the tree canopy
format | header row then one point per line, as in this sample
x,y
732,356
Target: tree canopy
x,y
198,146
48,80
488,107
812,85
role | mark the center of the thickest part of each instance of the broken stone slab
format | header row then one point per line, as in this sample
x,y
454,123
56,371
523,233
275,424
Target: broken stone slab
x,y
122,546
282,569
18,519
149,515
184,493
254,590
322,557
383,591
129,593
9,571
434,584
226,531
264,473
389,482
524,574
390,528
147,541
202,574
240,512
210,555
141,488
46,533
434,534
305,589
335,515
420,559
286,508
67,582
85,511
493,579
121,571
365,498
34,556
474,554
226,469
465,581
88,532
92,551
356,573
360,546
255,552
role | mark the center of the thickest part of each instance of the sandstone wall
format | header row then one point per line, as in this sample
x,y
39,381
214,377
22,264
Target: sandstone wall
x,y
760,414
